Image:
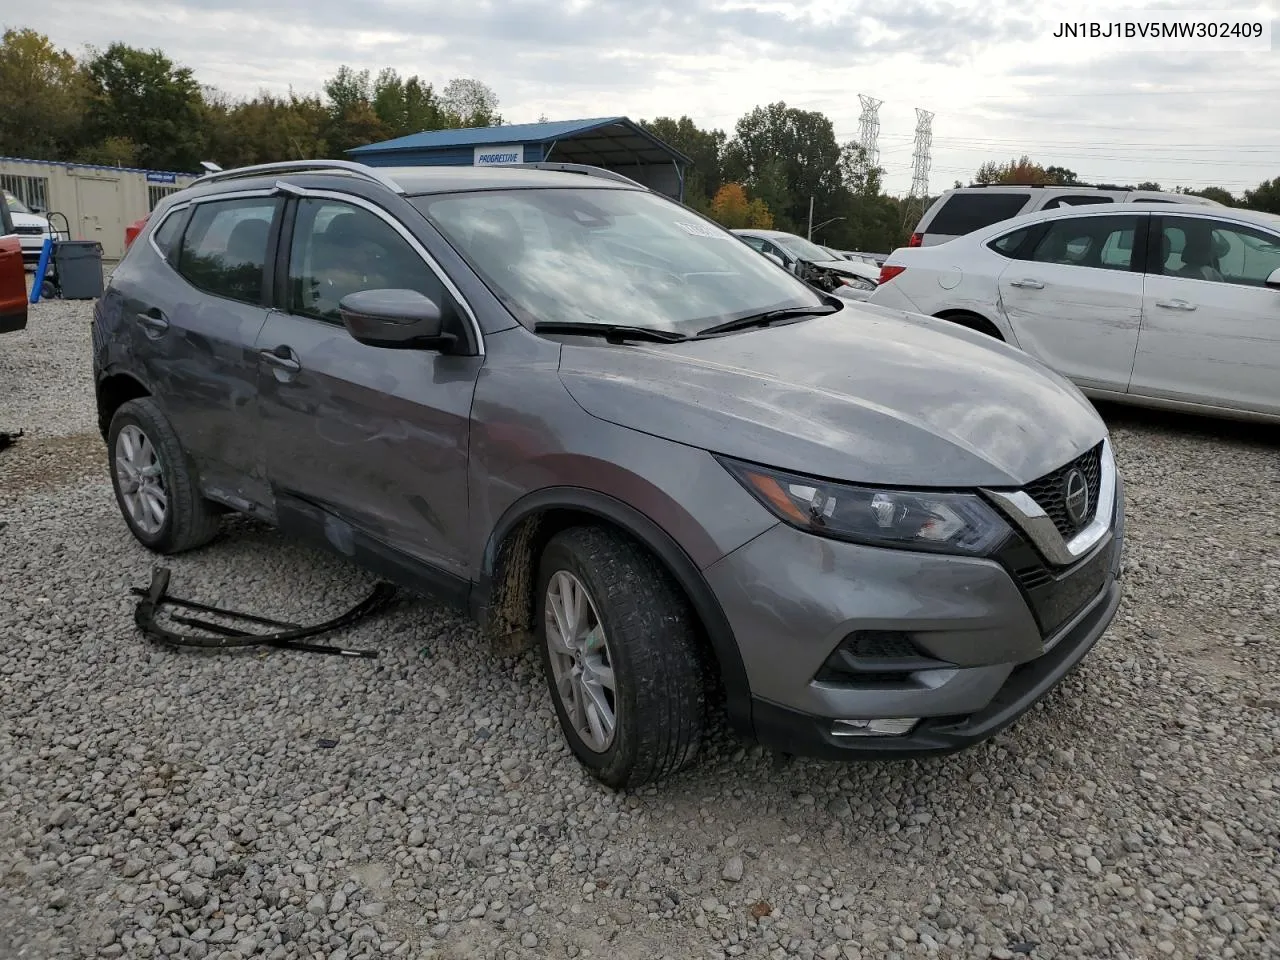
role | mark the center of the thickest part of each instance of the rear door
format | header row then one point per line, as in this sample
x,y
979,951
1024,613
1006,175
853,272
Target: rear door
x,y
1210,325
13,276
195,320
1075,302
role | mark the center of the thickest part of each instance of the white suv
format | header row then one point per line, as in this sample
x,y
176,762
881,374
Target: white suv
x,y
965,209
1171,306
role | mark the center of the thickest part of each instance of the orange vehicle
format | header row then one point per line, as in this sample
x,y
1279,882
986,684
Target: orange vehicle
x,y
13,277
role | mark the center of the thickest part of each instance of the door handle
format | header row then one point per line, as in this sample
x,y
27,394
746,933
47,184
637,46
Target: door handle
x,y
153,319
1028,283
1175,304
282,358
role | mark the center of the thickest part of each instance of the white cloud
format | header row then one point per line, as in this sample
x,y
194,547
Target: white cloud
x,y
998,83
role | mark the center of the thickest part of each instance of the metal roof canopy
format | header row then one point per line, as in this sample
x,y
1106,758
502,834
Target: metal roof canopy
x,y
615,143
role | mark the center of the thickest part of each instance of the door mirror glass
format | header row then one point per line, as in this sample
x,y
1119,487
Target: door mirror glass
x,y
394,318
1274,279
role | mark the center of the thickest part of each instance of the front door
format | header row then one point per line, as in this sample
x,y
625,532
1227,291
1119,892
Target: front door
x,y
1210,325
370,442
195,324
1076,303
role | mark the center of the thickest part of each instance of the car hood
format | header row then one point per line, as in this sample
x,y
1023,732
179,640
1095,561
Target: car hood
x,y
28,220
866,394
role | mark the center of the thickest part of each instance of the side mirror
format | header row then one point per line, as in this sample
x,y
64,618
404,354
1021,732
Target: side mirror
x,y
402,319
1273,281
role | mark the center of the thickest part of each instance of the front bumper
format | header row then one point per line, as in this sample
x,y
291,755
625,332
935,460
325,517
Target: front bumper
x,y
793,598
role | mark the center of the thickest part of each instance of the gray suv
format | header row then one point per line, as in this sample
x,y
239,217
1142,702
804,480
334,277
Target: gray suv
x,y
593,418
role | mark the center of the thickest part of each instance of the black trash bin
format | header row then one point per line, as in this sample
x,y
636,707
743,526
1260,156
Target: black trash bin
x,y
77,266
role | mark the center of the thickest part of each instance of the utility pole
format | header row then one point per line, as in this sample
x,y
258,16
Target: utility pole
x,y
810,216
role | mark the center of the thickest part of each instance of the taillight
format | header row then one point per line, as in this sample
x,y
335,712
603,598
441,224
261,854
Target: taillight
x,y
887,273
916,240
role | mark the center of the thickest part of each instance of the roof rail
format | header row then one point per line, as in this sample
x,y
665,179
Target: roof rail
x,y
302,166
584,168
1062,186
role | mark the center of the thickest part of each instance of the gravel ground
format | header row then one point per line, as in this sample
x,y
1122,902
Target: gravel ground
x,y
173,804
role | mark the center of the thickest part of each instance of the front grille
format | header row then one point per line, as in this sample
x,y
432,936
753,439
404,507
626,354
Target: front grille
x,y
30,231
1055,596
1049,493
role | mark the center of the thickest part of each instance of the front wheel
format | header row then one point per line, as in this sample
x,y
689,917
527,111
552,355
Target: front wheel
x,y
619,646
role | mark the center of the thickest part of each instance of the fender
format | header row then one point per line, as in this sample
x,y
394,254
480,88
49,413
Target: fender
x,y
733,672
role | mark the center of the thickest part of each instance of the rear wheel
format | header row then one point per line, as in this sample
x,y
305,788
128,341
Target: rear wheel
x,y
619,647
154,484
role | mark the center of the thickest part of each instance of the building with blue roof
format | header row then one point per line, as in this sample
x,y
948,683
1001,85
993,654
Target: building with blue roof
x,y
614,143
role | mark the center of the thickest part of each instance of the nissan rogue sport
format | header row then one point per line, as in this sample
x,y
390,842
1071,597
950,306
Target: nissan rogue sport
x,y
592,417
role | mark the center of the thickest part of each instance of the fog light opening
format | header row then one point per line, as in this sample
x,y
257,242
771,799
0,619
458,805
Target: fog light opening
x,y
883,727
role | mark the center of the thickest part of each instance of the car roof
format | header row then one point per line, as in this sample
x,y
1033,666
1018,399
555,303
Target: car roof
x,y
753,232
422,180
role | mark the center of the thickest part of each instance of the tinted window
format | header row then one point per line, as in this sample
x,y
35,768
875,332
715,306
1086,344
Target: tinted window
x,y
965,212
1076,201
340,248
754,242
1202,249
1010,242
224,248
167,233
1101,242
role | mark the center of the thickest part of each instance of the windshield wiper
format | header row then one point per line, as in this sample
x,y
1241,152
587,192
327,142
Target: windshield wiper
x,y
613,332
766,318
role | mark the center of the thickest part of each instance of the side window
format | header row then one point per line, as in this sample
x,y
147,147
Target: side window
x,y
1104,243
1010,242
965,212
1199,248
339,248
167,233
224,248
1074,200
754,242
777,252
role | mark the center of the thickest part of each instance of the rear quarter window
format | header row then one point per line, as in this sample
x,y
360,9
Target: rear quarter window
x,y
965,212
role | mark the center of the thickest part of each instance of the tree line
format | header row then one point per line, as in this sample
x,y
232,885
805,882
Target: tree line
x,y
780,166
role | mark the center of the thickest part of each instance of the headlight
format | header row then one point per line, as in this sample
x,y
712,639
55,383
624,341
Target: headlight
x,y
906,519
858,283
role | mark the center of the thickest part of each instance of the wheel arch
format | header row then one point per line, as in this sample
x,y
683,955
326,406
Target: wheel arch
x,y
112,391
973,321
503,598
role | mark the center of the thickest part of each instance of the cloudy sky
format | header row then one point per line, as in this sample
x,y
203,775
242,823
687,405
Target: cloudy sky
x,y
998,83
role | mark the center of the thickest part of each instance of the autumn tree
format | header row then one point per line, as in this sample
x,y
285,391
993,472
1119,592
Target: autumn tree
x,y
1015,171
731,209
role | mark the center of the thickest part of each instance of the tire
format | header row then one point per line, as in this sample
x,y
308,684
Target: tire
x,y
189,520
48,291
650,644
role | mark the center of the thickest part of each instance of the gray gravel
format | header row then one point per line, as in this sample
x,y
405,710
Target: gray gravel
x,y
172,804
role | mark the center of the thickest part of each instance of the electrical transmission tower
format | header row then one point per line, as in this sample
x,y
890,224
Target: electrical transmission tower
x,y
920,159
869,130
913,208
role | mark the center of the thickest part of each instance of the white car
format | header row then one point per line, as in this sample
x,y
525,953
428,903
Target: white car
x,y
32,229
846,278
1175,307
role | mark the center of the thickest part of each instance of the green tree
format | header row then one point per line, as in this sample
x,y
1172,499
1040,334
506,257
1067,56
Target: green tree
x,y
1149,185
1222,196
406,106
141,96
1061,175
856,172
266,128
352,120
786,156
1264,197
42,97
704,147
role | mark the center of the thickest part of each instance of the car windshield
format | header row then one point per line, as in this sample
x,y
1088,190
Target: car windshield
x,y
609,256
16,205
804,249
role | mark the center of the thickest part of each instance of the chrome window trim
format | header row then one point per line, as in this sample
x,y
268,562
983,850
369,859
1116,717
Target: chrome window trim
x,y
1038,526
400,228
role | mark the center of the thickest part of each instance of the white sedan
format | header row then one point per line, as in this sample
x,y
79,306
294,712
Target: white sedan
x,y
1133,303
